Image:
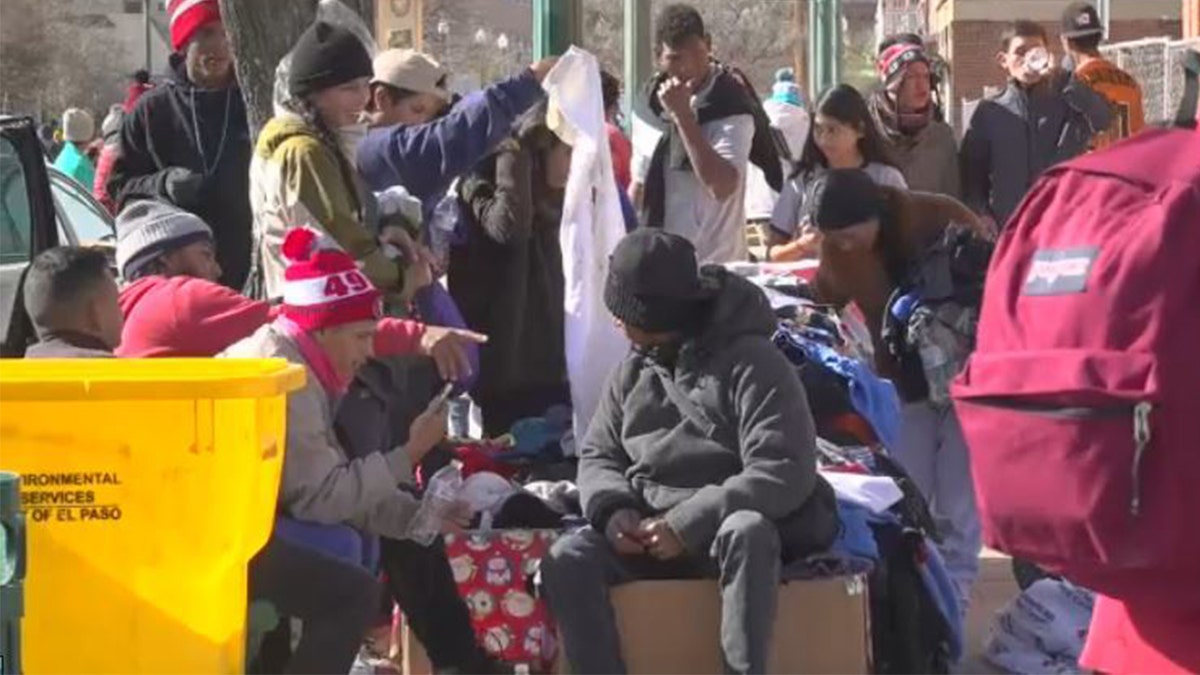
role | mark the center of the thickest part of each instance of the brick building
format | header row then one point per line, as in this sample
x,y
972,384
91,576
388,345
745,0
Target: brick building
x,y
967,33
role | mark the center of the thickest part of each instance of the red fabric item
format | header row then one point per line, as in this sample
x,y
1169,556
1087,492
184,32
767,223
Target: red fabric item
x,y
481,456
133,93
189,16
104,167
1125,640
323,286
185,317
622,154
1080,403
190,317
490,569
319,361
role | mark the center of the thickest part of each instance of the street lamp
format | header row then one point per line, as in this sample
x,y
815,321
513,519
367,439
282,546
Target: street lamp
x,y
502,42
481,36
443,28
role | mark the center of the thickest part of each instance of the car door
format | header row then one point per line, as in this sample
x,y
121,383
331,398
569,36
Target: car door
x,y
82,221
27,223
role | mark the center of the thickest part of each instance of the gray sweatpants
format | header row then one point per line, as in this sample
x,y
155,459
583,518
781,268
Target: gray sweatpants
x,y
745,558
934,454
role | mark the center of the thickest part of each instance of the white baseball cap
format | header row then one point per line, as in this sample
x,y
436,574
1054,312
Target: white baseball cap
x,y
411,70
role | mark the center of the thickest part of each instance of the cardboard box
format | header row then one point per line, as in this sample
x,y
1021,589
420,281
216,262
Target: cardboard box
x,y
671,627
674,627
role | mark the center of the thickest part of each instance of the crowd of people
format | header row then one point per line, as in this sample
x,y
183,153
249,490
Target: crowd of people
x,y
325,239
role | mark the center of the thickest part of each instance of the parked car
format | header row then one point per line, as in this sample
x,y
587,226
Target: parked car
x,y
82,220
40,208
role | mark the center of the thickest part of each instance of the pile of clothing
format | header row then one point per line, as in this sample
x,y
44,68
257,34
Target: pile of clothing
x,y
511,482
916,626
887,530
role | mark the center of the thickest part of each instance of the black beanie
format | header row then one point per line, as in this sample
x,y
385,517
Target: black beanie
x,y
326,56
845,197
654,282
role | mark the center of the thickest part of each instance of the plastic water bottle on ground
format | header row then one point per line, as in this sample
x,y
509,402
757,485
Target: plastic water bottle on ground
x,y
441,493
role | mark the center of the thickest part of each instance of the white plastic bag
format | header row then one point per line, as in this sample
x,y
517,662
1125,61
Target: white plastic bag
x,y
592,224
1042,630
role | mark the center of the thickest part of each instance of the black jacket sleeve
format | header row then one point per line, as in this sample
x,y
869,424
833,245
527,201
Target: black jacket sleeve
x,y
975,162
136,174
503,207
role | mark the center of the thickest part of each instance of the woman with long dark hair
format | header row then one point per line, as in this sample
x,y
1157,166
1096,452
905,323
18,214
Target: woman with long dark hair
x,y
842,136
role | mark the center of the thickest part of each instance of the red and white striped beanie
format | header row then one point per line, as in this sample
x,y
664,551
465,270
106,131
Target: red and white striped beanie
x,y
189,16
322,286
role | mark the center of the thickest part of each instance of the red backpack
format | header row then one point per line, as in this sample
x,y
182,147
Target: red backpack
x,y
1081,402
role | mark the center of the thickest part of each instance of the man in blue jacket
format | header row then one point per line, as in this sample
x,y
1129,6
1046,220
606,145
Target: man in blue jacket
x,y
420,144
1045,116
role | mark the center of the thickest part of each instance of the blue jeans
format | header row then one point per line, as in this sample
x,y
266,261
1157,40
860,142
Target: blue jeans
x,y
934,454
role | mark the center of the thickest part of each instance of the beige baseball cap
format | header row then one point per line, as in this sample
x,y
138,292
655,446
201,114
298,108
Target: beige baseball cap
x,y
411,70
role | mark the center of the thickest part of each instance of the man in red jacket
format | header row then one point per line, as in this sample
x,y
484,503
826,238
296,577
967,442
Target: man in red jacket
x,y
174,307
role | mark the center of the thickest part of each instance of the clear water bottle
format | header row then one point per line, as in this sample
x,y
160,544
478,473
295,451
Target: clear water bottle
x,y
441,493
443,224
1038,60
933,338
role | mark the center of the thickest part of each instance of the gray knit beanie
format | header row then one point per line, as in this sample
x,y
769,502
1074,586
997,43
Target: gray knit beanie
x,y
149,229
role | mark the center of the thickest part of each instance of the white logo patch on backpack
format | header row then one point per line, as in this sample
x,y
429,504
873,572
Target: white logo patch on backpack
x,y
1060,271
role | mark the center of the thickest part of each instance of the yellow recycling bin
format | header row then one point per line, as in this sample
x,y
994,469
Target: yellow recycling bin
x,y
147,486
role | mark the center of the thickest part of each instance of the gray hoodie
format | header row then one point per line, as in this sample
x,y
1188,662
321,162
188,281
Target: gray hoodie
x,y
1013,138
727,429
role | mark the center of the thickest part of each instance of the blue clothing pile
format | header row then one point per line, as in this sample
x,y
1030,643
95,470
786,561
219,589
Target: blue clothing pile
x,y
872,397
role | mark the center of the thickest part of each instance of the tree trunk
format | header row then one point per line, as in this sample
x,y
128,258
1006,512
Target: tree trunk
x,y
261,33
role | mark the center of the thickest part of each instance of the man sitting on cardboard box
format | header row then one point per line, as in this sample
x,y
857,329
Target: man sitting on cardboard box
x,y
698,463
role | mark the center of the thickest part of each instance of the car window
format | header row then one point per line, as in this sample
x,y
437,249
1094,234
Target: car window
x,y
80,210
15,220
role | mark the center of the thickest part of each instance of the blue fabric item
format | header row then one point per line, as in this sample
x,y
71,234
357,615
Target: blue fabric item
x,y
427,158
855,537
825,566
627,211
937,580
436,307
339,541
873,397
537,436
787,92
